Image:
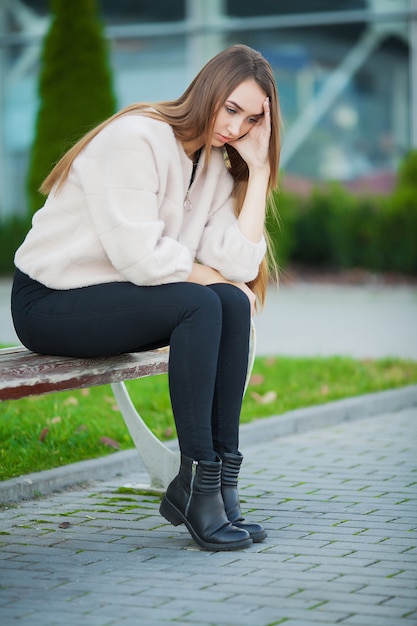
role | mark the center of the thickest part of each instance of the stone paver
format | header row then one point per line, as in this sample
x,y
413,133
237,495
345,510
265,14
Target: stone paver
x,y
340,508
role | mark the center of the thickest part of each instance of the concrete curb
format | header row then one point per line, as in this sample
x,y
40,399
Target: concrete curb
x,y
43,483
320,416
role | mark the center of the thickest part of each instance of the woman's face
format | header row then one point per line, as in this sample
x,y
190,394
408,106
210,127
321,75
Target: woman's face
x,y
241,111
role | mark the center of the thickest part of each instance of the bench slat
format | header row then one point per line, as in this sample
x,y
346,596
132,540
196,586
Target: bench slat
x,y
23,373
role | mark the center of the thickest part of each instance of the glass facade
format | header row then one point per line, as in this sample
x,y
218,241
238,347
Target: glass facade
x,y
342,68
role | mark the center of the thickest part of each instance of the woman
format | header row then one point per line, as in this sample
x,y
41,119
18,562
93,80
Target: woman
x,y
153,234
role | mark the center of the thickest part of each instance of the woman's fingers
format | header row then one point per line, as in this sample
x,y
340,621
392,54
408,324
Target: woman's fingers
x,y
254,146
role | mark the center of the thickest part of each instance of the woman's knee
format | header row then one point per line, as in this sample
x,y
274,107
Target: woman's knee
x,y
200,299
232,298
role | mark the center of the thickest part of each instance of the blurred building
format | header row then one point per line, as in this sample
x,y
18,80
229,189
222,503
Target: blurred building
x,y
346,73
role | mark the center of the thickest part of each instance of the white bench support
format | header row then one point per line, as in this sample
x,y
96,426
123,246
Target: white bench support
x,y
161,463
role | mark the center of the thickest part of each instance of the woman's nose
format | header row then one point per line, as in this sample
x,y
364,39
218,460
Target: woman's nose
x,y
234,127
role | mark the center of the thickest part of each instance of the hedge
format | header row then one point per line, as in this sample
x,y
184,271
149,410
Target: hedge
x,y
332,228
75,87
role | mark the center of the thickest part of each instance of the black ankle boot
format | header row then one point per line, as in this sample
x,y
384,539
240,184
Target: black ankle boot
x,y
194,498
229,477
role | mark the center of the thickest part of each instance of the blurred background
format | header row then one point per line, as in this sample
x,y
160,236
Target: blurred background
x,y
346,72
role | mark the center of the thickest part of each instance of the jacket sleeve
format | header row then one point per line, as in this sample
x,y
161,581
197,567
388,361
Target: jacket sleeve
x,y
122,182
224,247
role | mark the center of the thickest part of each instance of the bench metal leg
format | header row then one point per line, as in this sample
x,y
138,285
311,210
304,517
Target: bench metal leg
x,y
161,463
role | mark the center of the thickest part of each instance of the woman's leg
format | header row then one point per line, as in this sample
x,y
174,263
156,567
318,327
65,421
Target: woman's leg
x,y
228,395
231,368
121,317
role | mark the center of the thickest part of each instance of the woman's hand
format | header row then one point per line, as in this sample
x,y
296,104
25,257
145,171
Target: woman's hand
x,y
254,146
204,275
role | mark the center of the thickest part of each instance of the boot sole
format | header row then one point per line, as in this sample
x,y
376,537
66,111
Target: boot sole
x,y
175,517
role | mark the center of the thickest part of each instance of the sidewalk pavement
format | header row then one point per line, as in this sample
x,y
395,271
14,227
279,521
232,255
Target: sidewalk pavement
x,y
339,505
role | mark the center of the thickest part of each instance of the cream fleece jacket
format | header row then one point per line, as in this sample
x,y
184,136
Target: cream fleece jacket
x,y
120,215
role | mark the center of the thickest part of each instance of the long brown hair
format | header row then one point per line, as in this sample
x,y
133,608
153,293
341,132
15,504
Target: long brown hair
x,y
193,115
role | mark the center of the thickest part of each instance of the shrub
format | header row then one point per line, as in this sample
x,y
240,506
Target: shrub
x,y
281,227
12,233
75,87
312,234
334,228
407,172
351,230
398,231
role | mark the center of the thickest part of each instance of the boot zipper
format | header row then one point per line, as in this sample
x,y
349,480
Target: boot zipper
x,y
193,473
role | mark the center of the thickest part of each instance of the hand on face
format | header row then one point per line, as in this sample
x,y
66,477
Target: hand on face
x,y
253,147
244,122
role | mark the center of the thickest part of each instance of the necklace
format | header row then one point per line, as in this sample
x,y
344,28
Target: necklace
x,y
187,202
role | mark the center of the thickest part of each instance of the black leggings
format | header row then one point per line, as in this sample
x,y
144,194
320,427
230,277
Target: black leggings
x,y
207,329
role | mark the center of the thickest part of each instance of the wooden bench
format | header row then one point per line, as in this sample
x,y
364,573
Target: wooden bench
x,y
24,373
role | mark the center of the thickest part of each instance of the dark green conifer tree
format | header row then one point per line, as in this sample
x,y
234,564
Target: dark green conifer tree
x,y
75,87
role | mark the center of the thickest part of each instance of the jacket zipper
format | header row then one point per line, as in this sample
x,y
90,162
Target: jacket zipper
x,y
187,202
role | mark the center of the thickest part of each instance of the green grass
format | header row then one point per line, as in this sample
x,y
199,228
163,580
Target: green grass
x,y
48,431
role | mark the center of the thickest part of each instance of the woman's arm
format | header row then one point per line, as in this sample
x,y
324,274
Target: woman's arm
x,y
204,275
254,149
251,219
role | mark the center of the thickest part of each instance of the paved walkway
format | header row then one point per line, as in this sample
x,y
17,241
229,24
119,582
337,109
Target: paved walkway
x,y
339,504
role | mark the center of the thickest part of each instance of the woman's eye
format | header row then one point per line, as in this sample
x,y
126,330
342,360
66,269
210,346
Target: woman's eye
x,y
230,110
252,120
